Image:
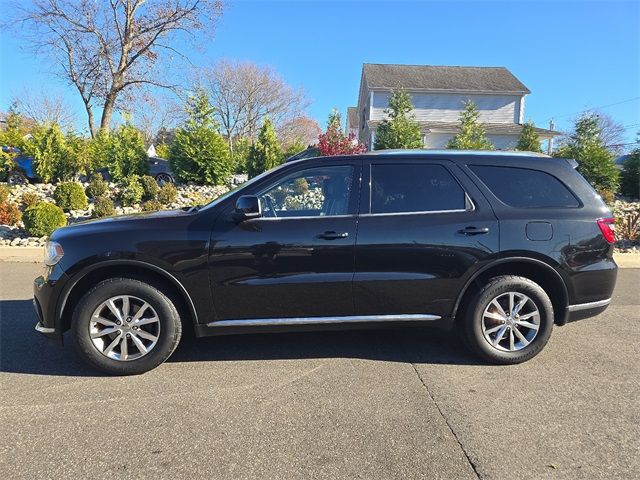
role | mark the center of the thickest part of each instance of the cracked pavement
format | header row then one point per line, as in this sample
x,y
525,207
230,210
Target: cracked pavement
x,y
379,404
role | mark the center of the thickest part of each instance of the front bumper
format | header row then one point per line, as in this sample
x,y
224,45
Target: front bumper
x,y
47,289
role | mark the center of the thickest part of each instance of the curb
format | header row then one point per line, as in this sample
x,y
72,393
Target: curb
x,y
35,255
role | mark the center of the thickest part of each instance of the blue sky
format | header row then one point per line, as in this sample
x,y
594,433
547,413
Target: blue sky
x,y
572,55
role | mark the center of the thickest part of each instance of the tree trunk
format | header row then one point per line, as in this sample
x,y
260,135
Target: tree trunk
x,y
92,128
107,112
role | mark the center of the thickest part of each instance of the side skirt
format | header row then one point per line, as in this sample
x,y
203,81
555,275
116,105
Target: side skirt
x,y
364,322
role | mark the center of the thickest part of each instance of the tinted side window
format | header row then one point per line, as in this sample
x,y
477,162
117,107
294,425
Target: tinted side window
x,y
319,191
521,187
414,188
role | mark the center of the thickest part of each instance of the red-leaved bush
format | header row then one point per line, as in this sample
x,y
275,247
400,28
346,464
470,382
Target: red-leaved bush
x,y
335,142
9,213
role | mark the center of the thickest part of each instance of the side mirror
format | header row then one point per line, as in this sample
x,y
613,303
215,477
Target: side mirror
x,y
247,207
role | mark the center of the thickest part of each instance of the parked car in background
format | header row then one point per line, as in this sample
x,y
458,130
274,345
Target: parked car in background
x,y
25,171
158,168
501,246
309,152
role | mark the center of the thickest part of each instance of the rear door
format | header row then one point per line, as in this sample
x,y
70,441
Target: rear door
x,y
423,227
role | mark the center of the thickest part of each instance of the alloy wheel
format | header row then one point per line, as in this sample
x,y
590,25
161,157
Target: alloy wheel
x,y
124,328
510,321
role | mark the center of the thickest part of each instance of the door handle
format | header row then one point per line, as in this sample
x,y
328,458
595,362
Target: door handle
x,y
474,230
333,235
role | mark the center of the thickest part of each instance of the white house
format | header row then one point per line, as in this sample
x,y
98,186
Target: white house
x,y
438,95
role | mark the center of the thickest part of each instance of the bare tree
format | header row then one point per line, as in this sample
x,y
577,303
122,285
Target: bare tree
x,y
45,108
244,94
298,130
152,113
109,48
612,133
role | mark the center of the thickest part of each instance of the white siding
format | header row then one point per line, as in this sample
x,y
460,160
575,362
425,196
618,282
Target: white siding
x,y
501,142
446,107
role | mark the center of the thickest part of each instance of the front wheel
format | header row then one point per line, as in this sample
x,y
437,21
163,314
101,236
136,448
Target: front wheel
x,y
124,326
509,320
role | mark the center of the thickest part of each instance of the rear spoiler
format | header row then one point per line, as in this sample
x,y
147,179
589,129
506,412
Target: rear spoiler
x,y
572,163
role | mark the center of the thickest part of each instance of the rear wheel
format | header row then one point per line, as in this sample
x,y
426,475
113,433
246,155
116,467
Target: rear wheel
x,y
163,178
124,326
16,178
509,320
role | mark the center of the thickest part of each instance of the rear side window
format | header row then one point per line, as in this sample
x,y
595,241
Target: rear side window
x,y
521,187
397,188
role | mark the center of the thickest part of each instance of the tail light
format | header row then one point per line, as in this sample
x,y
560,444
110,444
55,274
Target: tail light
x,y
606,227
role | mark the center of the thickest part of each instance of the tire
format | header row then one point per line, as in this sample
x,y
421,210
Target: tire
x,y
16,178
483,320
163,178
159,319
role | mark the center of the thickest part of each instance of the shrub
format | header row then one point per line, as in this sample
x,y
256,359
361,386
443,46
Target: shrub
x,y
607,195
130,191
167,194
4,193
97,187
29,199
630,178
43,218
103,207
151,206
70,196
150,187
9,213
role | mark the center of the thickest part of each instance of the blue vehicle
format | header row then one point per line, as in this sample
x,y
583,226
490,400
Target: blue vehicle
x,y
24,170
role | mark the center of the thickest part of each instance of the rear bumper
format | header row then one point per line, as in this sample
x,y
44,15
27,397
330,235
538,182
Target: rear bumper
x,y
586,310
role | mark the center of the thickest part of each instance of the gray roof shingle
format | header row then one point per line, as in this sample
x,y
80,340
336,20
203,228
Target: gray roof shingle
x,y
428,77
352,117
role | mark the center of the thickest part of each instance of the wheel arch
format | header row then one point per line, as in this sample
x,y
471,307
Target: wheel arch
x,y
540,272
147,272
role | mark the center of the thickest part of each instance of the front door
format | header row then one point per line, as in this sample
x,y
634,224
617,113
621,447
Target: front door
x,y
297,259
421,230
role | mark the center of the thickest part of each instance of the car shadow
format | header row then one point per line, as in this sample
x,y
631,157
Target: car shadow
x,y
408,345
23,350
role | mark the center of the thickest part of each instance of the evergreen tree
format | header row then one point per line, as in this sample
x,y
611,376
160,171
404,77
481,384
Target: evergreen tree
x,y
471,134
266,152
399,130
49,149
529,140
630,178
198,152
595,161
335,142
126,153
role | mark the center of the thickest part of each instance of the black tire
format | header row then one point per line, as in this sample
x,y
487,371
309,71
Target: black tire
x,y
16,178
473,319
163,178
170,326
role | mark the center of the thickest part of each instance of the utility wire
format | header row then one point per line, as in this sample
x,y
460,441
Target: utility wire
x,y
596,108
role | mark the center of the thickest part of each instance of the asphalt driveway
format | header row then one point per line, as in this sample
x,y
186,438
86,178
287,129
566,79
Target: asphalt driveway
x,y
379,404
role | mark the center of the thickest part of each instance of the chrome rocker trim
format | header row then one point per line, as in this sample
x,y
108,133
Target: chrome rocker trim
x,y
322,320
42,329
587,306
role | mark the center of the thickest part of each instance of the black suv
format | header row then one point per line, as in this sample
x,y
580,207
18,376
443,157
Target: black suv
x,y
500,245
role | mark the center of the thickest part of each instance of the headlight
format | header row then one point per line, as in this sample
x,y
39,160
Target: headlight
x,y
53,252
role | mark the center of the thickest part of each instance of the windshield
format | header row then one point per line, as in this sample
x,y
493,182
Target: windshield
x,y
246,184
